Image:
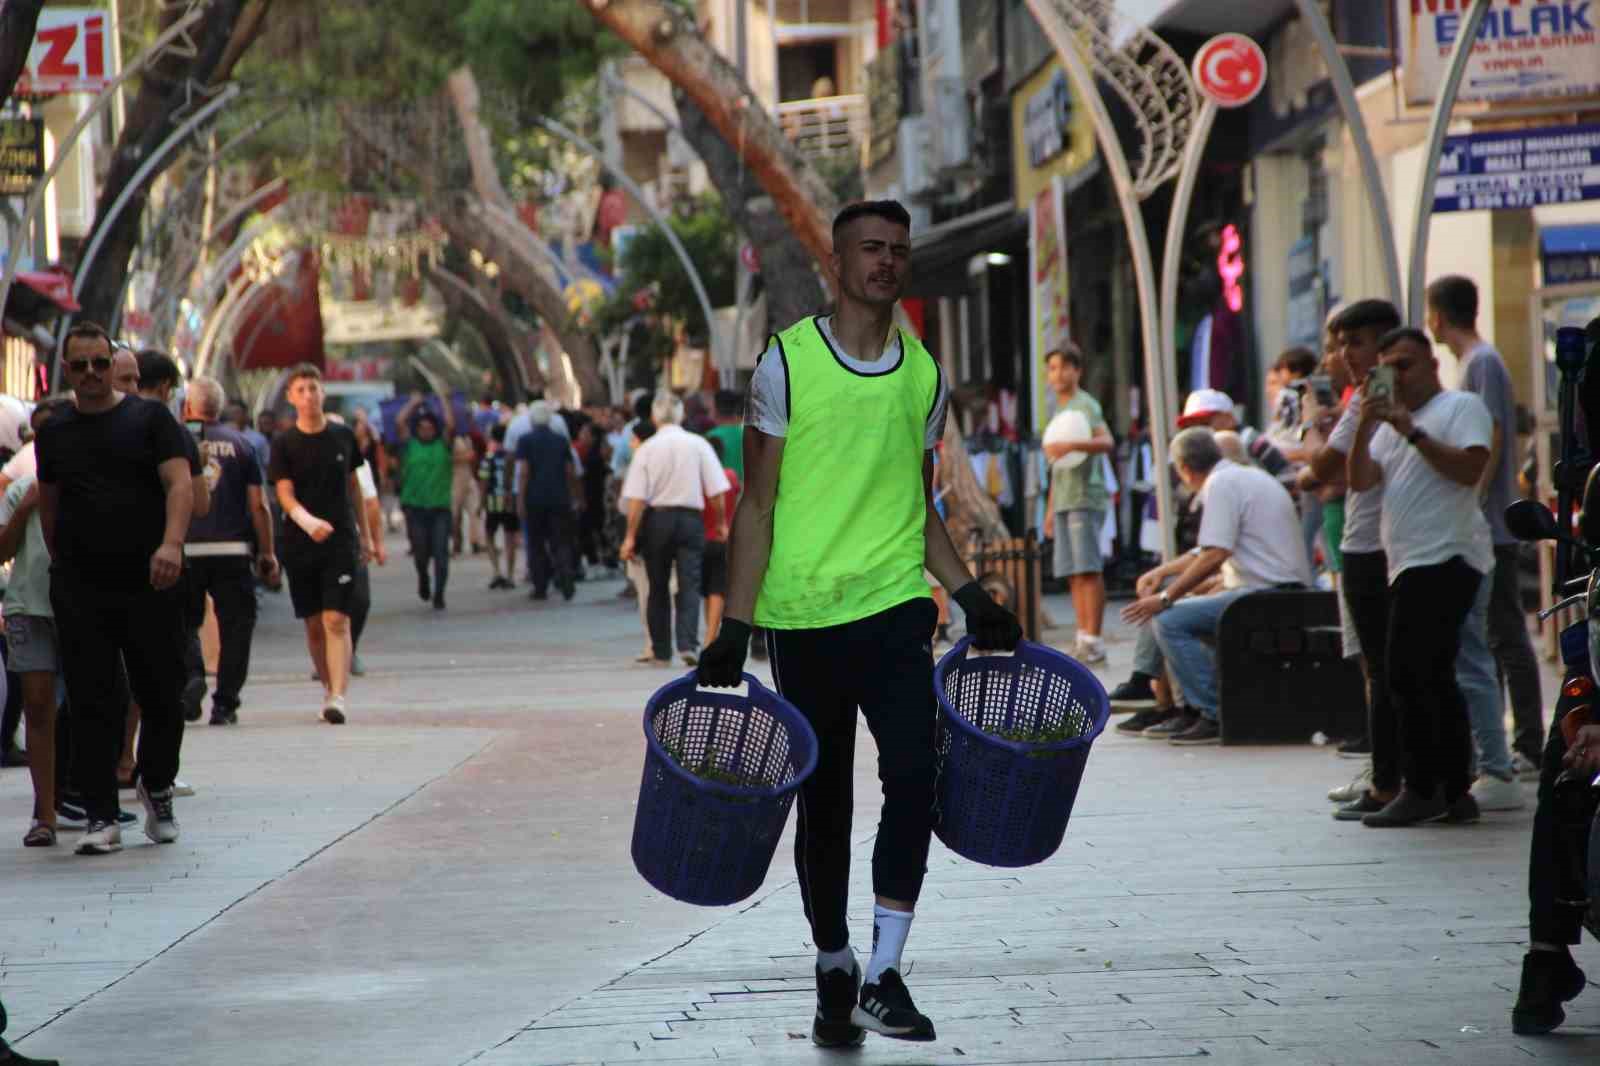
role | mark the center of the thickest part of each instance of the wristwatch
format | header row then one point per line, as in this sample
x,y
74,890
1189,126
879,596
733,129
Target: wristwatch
x,y
1165,598
1415,435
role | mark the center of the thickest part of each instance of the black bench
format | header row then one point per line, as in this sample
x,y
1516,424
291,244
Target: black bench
x,y
1281,671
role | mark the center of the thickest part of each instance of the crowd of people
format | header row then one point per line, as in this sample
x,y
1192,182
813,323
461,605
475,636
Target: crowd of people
x,y
1374,479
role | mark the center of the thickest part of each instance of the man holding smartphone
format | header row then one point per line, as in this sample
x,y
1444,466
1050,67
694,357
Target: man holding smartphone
x,y
1364,592
1428,448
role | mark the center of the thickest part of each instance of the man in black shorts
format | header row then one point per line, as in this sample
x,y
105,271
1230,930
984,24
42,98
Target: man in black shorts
x,y
497,480
113,583
325,537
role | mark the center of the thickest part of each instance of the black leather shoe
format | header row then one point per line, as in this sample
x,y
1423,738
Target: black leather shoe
x,y
1409,808
1549,979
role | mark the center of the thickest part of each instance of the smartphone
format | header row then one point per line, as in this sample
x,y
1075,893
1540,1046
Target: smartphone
x,y
1380,383
1322,388
196,427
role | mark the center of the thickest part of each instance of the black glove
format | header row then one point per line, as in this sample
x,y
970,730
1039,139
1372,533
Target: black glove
x,y
722,661
991,626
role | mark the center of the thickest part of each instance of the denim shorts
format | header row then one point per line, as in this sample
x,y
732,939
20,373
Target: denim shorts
x,y
31,646
1078,542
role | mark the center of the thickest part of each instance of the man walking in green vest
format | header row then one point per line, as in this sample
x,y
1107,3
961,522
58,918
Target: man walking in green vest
x,y
827,554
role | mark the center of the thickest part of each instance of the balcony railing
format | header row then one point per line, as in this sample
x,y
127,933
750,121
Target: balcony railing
x,y
826,126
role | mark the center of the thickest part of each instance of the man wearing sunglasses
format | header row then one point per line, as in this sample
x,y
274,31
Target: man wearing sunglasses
x,y
115,498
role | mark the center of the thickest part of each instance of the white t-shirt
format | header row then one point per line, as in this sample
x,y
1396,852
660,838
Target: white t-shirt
x,y
1363,511
767,406
1250,513
1427,518
675,468
24,464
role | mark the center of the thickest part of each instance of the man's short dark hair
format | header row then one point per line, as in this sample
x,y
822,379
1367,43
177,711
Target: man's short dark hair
x,y
727,402
85,328
1301,362
497,432
301,370
1456,299
885,209
1068,352
641,406
1377,314
1404,333
156,369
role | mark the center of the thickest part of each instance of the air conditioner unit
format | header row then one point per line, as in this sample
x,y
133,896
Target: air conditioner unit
x,y
912,150
952,124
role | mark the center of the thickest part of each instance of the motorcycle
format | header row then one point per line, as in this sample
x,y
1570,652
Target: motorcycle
x,y
1564,866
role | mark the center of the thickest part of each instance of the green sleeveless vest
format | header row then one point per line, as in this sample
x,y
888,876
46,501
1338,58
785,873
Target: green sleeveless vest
x,y
848,526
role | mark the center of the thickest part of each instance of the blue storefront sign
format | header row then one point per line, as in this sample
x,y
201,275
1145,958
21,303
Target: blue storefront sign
x,y
1525,168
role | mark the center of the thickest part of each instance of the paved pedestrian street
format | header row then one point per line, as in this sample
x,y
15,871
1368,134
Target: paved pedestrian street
x,y
446,880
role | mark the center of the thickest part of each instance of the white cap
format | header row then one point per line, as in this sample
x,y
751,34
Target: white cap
x,y
1202,404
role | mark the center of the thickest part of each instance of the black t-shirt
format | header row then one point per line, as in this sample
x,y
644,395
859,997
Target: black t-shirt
x,y
320,465
112,512
230,469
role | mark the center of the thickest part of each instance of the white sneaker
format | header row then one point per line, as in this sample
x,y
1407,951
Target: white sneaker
x,y
1090,651
179,788
100,838
1497,794
160,824
1354,790
333,710
1525,768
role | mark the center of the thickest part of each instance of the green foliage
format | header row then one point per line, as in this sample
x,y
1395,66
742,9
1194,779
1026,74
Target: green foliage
x,y
711,240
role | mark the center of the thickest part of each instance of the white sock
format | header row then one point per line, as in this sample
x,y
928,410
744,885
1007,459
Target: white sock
x,y
889,930
843,959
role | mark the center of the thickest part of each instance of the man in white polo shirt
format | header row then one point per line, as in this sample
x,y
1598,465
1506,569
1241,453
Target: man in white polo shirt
x,y
672,474
1428,448
1250,531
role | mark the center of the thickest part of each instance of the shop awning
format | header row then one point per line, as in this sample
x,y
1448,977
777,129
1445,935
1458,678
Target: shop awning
x,y
53,285
1570,254
940,253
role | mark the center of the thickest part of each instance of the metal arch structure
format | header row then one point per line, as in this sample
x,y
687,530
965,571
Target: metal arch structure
x,y
104,99
725,368
103,226
1144,71
1345,91
1466,37
1075,26
182,197
234,250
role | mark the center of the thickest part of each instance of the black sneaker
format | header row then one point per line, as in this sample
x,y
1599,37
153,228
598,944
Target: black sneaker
x,y
1359,748
1549,979
837,992
1462,811
194,694
1181,721
13,757
1359,808
70,815
1204,731
1134,694
886,1008
1139,721
224,717
1407,809
424,588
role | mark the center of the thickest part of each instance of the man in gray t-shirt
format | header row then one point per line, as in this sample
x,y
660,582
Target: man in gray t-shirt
x,y
1452,320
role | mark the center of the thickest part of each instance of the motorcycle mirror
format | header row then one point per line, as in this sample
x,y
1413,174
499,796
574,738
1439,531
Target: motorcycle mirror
x,y
1531,520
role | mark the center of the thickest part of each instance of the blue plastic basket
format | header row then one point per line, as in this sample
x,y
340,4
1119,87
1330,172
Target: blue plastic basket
x,y
1006,802
710,841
